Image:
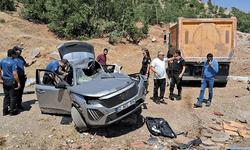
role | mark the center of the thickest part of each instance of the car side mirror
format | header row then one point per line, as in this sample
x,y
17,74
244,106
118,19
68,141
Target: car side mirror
x,y
60,85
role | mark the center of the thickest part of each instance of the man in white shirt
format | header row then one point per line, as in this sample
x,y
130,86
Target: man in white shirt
x,y
159,69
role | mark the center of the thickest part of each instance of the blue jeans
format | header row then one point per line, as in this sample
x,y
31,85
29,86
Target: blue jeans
x,y
204,83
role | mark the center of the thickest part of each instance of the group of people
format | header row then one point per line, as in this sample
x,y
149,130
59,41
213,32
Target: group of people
x,y
13,80
177,63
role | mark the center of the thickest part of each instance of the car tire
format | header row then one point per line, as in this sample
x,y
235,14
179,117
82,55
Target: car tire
x,y
78,120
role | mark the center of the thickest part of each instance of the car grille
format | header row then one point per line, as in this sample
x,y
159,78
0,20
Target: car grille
x,y
118,99
94,114
124,112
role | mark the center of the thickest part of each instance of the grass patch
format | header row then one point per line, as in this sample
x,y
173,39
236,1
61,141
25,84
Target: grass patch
x,y
2,20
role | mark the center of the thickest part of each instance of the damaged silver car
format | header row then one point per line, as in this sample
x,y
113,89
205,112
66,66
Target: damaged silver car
x,y
93,97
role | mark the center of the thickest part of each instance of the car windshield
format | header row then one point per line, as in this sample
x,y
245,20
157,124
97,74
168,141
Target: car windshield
x,y
86,75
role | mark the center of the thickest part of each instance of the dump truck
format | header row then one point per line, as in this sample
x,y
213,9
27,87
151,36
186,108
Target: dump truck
x,y
196,37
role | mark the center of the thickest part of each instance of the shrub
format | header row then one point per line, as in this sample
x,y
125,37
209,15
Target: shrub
x,y
2,20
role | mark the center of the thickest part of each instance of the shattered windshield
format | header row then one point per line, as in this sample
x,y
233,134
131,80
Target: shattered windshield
x,y
86,75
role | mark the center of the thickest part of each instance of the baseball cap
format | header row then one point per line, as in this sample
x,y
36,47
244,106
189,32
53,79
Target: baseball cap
x,y
11,52
17,48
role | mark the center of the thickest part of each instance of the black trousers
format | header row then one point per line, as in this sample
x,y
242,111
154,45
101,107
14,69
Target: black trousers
x,y
159,83
47,80
178,81
19,94
143,71
10,96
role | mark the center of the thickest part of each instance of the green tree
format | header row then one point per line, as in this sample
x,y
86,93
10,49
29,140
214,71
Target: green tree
x,y
35,11
7,5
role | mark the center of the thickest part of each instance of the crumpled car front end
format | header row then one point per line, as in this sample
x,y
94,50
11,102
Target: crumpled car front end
x,y
110,101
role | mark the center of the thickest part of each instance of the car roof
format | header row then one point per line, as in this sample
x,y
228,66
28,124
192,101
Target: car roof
x,y
76,50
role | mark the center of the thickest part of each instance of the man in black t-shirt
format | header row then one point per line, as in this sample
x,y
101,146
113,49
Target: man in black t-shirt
x,y
176,75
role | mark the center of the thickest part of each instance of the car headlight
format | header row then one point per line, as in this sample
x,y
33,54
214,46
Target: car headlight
x,y
92,100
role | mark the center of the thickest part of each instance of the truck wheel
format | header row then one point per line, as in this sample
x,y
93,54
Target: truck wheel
x,y
78,120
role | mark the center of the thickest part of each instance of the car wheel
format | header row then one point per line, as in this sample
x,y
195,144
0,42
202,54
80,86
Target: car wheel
x,y
78,120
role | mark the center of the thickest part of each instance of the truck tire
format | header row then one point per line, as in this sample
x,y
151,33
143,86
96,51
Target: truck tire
x,y
78,120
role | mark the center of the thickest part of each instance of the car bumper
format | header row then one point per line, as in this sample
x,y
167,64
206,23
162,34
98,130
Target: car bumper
x,y
98,115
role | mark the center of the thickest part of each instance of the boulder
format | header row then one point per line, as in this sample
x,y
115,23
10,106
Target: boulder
x,y
55,56
34,53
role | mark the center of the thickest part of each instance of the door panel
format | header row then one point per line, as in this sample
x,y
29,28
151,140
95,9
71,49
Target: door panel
x,y
50,97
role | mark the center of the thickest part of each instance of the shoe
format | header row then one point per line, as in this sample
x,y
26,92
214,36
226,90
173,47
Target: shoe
x,y
6,113
20,107
178,98
157,101
162,100
13,113
171,97
198,104
208,104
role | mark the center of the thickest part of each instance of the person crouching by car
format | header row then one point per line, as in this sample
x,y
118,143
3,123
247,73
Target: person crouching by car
x,y
8,81
49,78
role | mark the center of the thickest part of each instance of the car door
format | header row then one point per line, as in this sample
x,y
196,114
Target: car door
x,y
50,98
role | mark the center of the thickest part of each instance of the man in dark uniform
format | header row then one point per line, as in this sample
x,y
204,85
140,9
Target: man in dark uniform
x,y
21,74
49,78
8,81
176,75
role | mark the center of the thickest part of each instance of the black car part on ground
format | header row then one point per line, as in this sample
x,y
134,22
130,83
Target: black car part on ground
x,y
159,127
196,142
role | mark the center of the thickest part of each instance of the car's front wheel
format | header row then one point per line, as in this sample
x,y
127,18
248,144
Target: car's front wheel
x,y
78,120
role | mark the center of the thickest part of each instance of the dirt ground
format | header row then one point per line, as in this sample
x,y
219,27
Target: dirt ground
x,y
32,130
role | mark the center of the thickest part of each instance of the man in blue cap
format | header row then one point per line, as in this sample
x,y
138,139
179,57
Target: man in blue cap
x,y
21,73
8,81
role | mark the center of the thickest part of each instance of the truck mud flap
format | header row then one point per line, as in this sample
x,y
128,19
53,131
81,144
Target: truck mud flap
x,y
159,127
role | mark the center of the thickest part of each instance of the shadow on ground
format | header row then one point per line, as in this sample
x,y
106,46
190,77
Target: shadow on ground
x,y
117,129
27,105
198,84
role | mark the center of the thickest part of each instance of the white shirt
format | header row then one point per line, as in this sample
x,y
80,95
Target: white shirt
x,y
159,66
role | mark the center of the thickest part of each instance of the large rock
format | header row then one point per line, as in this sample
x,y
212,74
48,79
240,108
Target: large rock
x,y
207,141
220,136
34,53
55,56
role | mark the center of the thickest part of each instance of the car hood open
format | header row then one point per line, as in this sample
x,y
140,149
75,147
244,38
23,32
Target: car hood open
x,y
76,50
101,87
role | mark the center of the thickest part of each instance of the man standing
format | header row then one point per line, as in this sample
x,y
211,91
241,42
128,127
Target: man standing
x,y
102,57
209,70
49,78
8,81
21,74
159,69
176,75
